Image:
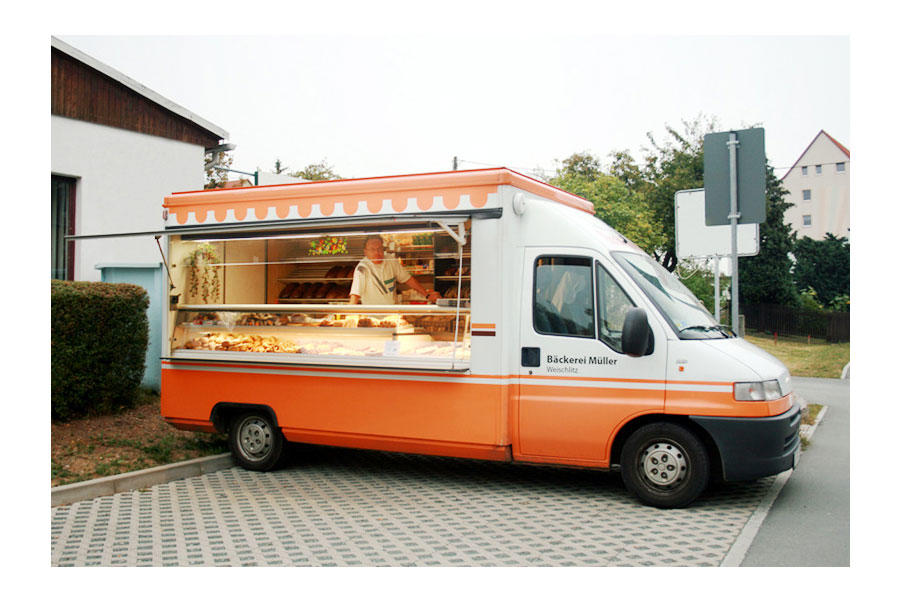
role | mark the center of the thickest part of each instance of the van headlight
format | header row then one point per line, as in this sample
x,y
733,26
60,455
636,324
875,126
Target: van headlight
x,y
758,390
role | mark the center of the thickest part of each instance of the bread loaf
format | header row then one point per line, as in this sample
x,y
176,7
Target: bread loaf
x,y
287,290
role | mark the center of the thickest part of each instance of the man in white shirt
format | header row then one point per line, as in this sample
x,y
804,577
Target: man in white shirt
x,y
375,279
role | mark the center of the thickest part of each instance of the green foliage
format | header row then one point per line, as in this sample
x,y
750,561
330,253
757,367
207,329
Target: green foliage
x,y
320,171
702,284
672,165
840,303
216,178
766,278
98,340
622,209
809,300
824,265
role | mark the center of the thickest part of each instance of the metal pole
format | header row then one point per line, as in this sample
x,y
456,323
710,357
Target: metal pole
x,y
733,217
718,316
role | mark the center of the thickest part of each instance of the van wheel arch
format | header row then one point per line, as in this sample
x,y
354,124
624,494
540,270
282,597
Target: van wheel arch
x,y
224,412
715,458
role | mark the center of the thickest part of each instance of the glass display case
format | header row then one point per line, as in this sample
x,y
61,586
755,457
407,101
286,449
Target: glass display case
x,y
284,297
412,336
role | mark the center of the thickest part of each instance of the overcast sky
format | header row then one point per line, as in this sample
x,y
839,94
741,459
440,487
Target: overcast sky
x,y
378,105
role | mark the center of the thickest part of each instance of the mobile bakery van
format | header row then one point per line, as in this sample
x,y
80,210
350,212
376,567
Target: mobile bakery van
x,y
555,341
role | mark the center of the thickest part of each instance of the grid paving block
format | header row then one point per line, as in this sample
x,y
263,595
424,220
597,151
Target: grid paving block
x,y
343,507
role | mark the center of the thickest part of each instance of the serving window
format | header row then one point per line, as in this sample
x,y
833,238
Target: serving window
x,y
286,297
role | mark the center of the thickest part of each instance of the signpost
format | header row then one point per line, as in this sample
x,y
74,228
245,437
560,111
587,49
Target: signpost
x,y
694,239
734,180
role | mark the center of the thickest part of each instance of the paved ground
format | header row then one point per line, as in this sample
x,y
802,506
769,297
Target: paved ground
x,y
809,523
336,507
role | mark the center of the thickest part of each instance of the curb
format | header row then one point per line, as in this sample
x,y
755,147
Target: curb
x,y
845,373
126,482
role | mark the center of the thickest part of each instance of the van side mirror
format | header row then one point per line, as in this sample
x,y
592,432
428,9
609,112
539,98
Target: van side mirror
x,y
636,333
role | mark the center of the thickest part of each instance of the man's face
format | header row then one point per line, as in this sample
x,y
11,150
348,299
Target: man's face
x,y
374,251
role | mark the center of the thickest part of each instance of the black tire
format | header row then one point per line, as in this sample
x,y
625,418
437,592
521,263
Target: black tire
x,y
255,442
665,465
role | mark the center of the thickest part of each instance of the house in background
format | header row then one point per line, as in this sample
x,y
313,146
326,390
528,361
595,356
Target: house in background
x,y
818,186
117,149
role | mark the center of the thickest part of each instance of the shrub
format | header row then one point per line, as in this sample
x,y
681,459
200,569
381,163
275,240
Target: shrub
x,y
98,341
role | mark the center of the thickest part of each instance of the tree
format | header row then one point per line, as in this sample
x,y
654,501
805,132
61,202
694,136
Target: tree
x,y
824,266
320,171
621,208
766,277
671,166
216,178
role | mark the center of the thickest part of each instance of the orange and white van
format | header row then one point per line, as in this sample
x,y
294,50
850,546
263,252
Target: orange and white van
x,y
556,341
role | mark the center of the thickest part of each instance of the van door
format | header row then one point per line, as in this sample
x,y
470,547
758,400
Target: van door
x,y
576,387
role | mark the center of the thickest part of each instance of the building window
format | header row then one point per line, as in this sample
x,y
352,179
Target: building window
x,y
807,194
807,220
840,167
62,223
818,169
804,170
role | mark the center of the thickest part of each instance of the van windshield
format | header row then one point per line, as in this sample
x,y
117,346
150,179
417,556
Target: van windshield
x,y
678,305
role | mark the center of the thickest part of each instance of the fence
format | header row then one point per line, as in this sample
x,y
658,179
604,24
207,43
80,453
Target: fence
x,y
831,326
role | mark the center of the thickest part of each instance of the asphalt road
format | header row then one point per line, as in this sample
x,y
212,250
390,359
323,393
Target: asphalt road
x,y
809,523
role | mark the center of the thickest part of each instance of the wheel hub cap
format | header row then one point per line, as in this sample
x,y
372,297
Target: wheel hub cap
x,y
663,464
255,438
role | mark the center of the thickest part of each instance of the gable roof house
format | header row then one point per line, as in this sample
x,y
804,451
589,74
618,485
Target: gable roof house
x,y
118,148
818,186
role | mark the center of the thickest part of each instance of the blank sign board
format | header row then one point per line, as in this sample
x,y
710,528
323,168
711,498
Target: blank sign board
x,y
695,239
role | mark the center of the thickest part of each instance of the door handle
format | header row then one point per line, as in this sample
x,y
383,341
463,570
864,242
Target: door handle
x,y
531,357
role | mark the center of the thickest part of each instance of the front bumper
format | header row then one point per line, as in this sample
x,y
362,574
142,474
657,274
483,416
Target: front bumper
x,y
751,448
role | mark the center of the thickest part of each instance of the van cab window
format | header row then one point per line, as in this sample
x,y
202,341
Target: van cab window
x,y
612,306
563,296
675,302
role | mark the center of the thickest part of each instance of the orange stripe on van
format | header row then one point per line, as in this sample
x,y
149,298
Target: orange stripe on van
x,y
721,404
179,363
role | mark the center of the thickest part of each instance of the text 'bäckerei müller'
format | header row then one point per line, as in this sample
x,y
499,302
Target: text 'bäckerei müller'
x,y
580,360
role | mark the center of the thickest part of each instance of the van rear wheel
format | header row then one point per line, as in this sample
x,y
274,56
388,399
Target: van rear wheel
x,y
665,465
255,442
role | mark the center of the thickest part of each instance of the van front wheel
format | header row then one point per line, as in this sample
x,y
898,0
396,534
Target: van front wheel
x,y
665,465
255,442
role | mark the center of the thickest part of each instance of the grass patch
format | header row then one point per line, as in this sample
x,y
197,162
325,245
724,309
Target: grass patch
x,y
805,358
126,440
812,413
809,418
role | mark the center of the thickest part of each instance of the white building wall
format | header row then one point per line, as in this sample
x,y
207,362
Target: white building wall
x,y
122,178
829,206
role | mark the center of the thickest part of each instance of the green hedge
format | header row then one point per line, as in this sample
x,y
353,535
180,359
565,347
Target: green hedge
x,y
98,341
